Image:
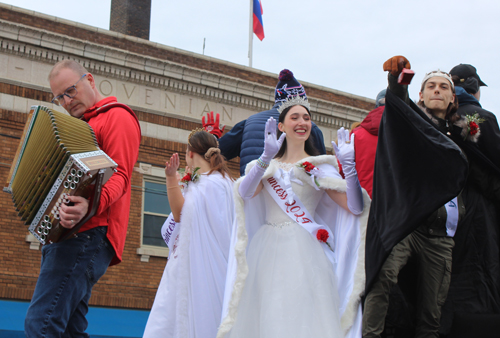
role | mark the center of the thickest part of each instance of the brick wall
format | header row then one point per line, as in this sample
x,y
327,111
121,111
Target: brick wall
x,y
131,17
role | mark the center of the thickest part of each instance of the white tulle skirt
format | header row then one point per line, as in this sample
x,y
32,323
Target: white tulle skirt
x,y
291,288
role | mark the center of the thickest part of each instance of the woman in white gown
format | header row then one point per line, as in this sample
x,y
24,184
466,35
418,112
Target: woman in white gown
x,y
296,265
188,302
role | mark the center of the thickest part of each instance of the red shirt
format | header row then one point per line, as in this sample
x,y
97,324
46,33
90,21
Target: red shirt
x,y
119,135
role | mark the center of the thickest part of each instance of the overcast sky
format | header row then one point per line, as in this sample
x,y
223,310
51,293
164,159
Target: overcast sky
x,y
336,44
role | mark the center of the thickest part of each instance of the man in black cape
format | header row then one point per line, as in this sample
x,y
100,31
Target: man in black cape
x,y
409,184
406,170
418,169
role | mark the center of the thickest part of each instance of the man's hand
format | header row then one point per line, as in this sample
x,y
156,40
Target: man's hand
x,y
69,216
396,64
211,125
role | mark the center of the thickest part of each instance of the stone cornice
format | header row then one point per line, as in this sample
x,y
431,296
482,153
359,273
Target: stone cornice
x,y
160,47
50,47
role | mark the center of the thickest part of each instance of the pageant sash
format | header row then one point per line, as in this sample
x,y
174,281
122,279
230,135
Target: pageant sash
x,y
170,230
452,217
294,208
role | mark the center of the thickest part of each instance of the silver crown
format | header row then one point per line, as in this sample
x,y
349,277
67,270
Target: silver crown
x,y
294,101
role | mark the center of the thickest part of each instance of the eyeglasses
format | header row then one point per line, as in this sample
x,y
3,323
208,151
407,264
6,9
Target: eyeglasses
x,y
70,92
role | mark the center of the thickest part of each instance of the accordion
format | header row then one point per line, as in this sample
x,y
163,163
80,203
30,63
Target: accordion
x,y
58,156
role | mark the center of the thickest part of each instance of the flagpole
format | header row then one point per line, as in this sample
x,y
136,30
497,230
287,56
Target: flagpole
x,y
250,37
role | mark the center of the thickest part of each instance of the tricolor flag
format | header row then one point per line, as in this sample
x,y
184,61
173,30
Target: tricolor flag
x,y
258,25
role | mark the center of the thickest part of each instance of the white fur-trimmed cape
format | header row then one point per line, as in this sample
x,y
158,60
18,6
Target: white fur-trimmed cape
x,y
349,236
189,298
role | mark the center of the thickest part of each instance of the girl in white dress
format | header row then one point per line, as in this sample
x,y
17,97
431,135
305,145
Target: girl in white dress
x,y
297,251
188,302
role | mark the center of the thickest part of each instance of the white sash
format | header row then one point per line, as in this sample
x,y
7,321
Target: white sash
x,y
452,217
170,232
294,208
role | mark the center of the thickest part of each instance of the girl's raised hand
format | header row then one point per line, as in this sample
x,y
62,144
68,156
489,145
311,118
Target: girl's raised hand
x,y
172,166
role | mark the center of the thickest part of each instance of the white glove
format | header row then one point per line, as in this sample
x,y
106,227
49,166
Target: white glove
x,y
271,144
345,154
271,147
345,151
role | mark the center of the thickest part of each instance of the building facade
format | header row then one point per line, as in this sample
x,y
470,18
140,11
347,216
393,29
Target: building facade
x,y
170,90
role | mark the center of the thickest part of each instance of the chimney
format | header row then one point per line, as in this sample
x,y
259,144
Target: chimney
x,y
131,17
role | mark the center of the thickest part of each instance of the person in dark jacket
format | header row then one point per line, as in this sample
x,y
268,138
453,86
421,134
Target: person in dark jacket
x,y
246,138
472,308
468,87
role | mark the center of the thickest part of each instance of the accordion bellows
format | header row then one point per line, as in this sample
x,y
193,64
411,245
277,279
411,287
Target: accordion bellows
x,y
58,156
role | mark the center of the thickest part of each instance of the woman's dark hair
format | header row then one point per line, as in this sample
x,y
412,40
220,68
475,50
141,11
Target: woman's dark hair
x,y
202,142
452,107
309,147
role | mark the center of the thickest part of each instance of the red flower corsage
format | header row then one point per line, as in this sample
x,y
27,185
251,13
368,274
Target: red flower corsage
x,y
311,170
473,128
473,124
308,166
190,177
322,236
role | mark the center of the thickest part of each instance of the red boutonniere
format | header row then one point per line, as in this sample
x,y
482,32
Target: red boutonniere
x,y
190,177
473,124
310,170
322,236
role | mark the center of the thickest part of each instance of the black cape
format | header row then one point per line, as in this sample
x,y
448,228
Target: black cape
x,y
417,170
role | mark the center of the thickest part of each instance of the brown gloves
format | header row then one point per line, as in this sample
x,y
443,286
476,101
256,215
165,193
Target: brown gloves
x,y
396,64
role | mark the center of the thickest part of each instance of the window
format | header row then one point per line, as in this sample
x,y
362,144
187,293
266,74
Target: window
x,y
155,211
